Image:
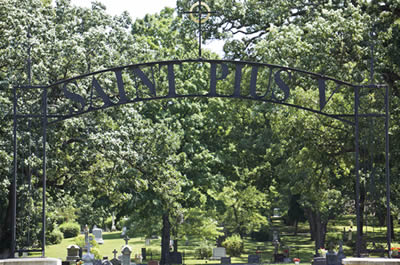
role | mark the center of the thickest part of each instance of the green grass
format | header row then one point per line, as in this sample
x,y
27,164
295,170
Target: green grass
x,y
301,246
113,241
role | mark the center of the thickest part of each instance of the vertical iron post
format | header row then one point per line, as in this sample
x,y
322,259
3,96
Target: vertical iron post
x,y
357,168
44,121
200,28
387,169
14,181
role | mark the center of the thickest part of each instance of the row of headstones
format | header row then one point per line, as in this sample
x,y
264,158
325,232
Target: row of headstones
x,y
220,253
251,259
331,258
74,253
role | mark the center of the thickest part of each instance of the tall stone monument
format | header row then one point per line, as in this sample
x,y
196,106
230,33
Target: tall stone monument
x,y
88,258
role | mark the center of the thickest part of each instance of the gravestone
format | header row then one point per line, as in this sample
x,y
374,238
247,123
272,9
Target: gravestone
x,y
175,258
275,235
341,254
123,233
147,241
113,228
106,262
126,255
144,254
331,258
319,261
279,258
138,258
88,258
218,253
115,261
253,259
97,262
276,212
350,234
225,260
98,235
72,253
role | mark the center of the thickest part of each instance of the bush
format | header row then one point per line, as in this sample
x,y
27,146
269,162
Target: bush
x,y
80,241
108,223
263,235
153,253
233,245
54,237
70,229
203,251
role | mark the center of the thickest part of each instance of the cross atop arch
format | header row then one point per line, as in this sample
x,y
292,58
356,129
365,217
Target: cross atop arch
x,y
199,17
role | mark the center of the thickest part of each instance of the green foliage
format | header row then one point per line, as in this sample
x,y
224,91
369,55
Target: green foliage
x,y
263,235
155,253
96,252
80,241
207,162
243,205
54,237
234,245
204,251
70,229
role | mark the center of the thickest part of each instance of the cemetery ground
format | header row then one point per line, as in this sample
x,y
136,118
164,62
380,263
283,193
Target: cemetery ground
x,y
300,245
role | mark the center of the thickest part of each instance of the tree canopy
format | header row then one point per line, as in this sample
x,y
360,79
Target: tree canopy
x,y
220,165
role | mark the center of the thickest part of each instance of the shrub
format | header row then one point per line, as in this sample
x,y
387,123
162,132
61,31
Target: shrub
x,y
80,241
108,223
233,245
96,253
203,251
263,235
153,253
70,229
54,237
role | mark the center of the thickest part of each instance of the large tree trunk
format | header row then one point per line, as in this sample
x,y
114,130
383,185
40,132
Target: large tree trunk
x,y
5,229
165,238
317,228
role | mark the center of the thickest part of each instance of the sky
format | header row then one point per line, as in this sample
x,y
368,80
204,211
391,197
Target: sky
x,y
139,8
136,8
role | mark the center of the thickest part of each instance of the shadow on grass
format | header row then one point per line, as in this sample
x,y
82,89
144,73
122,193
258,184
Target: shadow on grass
x,y
114,235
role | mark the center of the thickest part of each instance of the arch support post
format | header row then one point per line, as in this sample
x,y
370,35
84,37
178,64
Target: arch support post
x,y
13,244
387,170
357,167
44,177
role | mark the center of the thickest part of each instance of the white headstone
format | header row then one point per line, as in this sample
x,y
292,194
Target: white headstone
x,y
275,235
276,212
218,253
98,235
350,235
147,241
113,228
123,231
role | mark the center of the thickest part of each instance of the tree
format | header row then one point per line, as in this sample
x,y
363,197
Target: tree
x,y
243,205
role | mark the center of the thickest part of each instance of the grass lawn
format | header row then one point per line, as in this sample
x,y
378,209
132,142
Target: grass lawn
x,y
301,246
113,241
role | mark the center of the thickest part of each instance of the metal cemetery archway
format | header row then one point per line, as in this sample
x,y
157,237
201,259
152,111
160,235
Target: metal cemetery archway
x,y
163,80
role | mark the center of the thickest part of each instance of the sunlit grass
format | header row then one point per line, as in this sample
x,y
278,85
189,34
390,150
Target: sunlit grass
x,y
301,246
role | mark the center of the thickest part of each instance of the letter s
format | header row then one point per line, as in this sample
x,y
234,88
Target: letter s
x,y
74,97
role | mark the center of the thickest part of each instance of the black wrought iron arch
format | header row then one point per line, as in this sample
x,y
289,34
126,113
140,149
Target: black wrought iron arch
x,y
138,83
